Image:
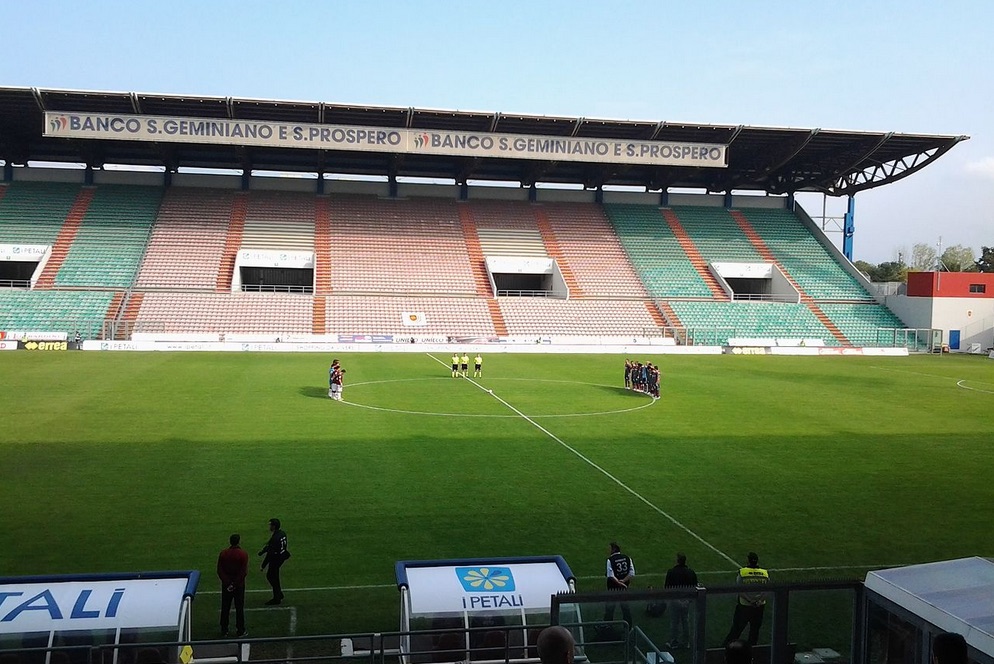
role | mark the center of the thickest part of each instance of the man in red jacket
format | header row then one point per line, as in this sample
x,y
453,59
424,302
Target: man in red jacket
x,y
232,568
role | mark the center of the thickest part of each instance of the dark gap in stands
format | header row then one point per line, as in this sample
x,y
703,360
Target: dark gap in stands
x,y
16,274
523,285
277,280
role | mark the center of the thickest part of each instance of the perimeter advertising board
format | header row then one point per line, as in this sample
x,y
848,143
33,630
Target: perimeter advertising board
x,y
166,129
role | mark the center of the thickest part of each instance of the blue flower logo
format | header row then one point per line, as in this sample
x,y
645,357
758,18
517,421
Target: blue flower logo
x,y
485,579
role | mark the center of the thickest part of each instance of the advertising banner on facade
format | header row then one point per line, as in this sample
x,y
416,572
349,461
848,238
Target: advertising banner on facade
x,y
263,133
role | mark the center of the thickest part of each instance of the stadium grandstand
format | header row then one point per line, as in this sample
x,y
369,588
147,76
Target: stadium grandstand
x,y
151,216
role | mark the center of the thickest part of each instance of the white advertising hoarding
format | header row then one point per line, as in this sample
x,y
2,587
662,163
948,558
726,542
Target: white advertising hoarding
x,y
91,605
473,588
262,133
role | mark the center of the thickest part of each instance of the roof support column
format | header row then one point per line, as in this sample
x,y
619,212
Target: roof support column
x,y
320,185
532,193
8,172
791,202
88,176
464,192
246,178
167,178
849,227
392,184
664,197
728,200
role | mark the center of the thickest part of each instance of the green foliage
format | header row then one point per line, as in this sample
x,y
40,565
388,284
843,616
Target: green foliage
x,y
986,261
136,461
958,258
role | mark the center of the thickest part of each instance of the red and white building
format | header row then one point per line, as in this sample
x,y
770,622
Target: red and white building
x,y
961,304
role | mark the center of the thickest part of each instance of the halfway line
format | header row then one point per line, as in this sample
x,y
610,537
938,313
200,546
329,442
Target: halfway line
x,y
594,465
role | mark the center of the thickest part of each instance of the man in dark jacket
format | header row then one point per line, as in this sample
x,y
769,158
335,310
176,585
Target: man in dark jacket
x,y
680,576
276,554
232,568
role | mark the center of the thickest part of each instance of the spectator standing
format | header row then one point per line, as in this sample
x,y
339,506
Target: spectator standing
x,y
276,554
232,569
749,609
680,576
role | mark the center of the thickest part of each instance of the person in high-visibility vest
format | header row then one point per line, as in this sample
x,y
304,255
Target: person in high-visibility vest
x,y
749,609
465,364
455,364
478,363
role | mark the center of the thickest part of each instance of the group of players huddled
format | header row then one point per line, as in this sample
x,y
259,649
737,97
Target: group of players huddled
x,y
642,377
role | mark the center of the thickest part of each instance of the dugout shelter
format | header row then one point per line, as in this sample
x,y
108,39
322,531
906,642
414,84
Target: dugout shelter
x,y
477,608
907,607
56,619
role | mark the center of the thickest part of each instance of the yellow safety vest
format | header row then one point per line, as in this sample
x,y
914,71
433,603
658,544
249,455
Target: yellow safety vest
x,y
753,575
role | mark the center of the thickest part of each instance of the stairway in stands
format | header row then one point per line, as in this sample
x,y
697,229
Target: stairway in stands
x,y
322,246
474,250
552,248
128,319
63,241
700,265
236,226
497,317
319,316
768,256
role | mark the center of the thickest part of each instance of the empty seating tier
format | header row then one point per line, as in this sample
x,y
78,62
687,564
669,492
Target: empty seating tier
x,y
33,212
589,318
752,319
112,237
63,311
384,246
452,316
216,313
279,220
592,251
716,235
187,241
800,253
864,324
655,253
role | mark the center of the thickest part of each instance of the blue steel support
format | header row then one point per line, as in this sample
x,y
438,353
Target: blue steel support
x,y
849,228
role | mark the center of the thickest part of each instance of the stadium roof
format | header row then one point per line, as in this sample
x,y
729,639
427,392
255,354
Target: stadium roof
x,y
772,159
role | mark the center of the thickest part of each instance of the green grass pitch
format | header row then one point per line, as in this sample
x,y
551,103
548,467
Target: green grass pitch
x,y
138,461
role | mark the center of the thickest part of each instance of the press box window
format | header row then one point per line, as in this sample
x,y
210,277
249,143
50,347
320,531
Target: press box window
x,y
978,288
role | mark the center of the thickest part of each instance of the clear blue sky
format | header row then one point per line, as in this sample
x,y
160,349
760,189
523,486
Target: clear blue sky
x,y
904,66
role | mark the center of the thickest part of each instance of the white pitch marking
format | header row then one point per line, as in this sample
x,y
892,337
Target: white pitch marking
x,y
624,486
973,389
377,586
485,415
